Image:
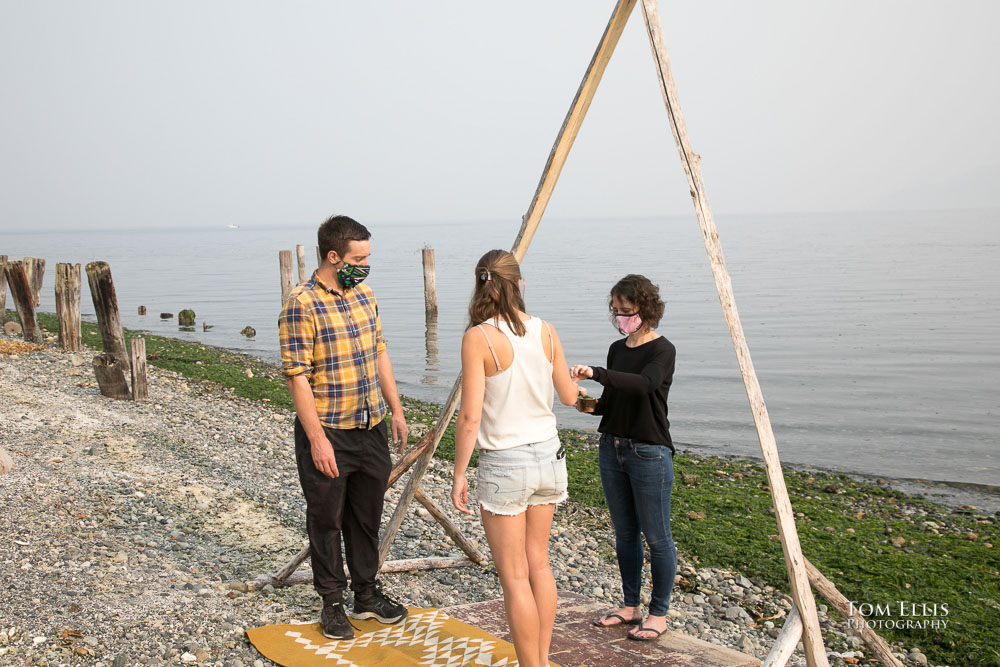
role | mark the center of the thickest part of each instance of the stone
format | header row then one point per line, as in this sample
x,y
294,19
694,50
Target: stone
x,y
12,329
249,331
185,318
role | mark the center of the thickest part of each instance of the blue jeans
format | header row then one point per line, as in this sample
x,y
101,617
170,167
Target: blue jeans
x,y
637,478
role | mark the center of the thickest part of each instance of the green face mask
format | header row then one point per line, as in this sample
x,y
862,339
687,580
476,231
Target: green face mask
x,y
351,275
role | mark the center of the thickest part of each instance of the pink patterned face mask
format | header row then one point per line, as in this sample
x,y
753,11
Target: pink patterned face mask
x,y
628,324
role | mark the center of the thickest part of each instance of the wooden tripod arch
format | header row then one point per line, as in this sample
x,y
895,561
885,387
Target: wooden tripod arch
x,y
803,621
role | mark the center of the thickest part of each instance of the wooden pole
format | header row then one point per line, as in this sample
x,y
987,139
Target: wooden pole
x,y
464,543
24,302
571,126
140,388
784,646
430,290
3,288
68,306
550,174
419,468
34,268
300,255
110,373
405,565
102,291
826,588
285,266
794,561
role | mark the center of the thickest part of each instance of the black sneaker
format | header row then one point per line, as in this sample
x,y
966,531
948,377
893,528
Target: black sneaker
x,y
333,621
376,604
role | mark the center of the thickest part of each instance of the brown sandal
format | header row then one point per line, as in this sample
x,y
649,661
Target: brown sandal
x,y
642,628
621,619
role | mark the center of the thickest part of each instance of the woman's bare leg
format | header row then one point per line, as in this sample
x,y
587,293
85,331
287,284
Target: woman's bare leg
x,y
543,584
506,537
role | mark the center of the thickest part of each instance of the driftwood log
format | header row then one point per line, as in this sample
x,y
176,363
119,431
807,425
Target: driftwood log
x,y
464,543
300,257
784,646
68,306
110,374
3,288
285,266
812,637
407,565
839,602
102,290
140,389
430,288
24,302
34,268
550,174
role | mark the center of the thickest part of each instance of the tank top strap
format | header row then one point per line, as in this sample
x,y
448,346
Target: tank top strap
x,y
490,344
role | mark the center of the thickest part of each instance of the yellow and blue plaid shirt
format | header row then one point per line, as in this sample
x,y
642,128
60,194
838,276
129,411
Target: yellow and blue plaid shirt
x,y
333,336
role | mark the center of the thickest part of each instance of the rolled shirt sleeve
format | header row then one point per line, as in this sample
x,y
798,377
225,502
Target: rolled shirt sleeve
x,y
296,333
380,344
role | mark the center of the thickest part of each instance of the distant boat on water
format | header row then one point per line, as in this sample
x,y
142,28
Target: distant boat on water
x,y
232,226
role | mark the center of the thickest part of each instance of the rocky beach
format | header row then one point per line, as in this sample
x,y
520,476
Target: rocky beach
x,y
129,531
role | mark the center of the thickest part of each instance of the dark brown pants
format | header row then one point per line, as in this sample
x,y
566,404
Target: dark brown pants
x,y
350,504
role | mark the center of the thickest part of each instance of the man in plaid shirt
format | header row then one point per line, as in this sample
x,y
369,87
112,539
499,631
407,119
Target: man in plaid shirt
x,y
339,374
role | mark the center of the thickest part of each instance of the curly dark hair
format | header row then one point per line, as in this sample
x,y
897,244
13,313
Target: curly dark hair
x,y
643,294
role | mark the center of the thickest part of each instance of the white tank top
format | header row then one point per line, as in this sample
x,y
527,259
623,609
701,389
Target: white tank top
x,y
517,405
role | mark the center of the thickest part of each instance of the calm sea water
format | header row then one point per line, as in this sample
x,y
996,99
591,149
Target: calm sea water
x,y
873,334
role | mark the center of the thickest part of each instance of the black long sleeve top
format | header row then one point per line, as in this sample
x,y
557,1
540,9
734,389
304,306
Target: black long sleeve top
x,y
636,383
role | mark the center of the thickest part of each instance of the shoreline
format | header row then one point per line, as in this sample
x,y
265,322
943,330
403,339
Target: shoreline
x,y
181,439
949,492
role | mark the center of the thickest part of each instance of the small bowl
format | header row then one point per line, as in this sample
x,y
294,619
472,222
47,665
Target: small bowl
x,y
588,403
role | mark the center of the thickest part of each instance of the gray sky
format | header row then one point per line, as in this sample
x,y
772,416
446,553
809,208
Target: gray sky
x,y
124,114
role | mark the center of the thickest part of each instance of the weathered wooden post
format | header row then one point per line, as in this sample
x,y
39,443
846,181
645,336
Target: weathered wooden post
x,y
140,389
430,291
3,288
102,290
110,373
300,255
34,268
68,306
24,302
285,265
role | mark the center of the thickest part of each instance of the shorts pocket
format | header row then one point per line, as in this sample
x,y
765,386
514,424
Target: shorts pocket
x,y
500,485
560,475
647,452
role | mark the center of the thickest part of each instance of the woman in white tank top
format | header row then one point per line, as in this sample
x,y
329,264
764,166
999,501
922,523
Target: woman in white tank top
x,y
511,365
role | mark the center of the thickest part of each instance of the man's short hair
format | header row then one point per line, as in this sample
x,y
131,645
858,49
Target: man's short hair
x,y
337,233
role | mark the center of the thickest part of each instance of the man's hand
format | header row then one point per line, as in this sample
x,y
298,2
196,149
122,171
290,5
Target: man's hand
x,y
323,458
400,431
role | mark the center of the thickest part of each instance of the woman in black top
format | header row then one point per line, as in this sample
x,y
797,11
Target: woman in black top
x,y
636,453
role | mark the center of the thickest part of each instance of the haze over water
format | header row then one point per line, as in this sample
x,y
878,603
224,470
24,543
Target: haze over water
x,y
872,333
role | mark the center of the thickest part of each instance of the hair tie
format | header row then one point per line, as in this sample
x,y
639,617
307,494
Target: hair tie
x,y
485,276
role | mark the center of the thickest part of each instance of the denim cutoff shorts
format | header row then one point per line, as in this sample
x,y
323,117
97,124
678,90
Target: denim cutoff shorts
x,y
511,480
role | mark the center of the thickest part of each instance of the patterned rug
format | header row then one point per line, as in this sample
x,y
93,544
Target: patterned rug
x,y
424,637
